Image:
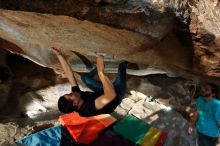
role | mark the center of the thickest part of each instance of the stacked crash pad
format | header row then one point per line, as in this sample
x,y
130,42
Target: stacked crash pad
x,y
48,137
95,131
82,130
86,129
139,132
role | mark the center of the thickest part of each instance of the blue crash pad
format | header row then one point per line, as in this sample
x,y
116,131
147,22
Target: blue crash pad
x,y
48,137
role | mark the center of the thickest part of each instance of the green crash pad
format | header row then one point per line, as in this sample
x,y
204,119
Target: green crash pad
x,y
131,128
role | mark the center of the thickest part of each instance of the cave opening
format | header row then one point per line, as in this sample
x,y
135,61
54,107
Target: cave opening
x,y
18,76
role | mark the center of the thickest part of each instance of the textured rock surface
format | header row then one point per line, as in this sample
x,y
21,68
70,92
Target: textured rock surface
x,y
36,37
12,131
205,29
33,40
155,19
149,18
24,76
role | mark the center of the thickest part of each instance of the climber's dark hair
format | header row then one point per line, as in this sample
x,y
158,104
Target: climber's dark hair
x,y
65,105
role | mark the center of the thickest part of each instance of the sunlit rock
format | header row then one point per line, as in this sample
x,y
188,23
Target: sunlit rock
x,y
167,119
205,30
82,41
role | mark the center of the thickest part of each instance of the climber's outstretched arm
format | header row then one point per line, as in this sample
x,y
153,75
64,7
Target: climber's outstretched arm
x,y
66,67
109,90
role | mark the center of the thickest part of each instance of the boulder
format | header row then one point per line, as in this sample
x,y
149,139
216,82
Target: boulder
x,y
205,31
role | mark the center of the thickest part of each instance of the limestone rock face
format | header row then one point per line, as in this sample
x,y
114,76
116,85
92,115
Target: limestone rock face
x,y
32,35
33,39
205,29
139,16
154,19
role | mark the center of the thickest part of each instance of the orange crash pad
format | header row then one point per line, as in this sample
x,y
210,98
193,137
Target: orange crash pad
x,y
85,129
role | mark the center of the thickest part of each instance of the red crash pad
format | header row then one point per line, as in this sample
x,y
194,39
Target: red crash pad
x,y
85,129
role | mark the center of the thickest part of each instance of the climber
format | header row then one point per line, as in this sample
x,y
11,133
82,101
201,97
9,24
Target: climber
x,y
207,116
106,96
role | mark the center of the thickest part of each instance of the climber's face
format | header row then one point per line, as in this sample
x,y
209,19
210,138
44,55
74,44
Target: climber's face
x,y
74,97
